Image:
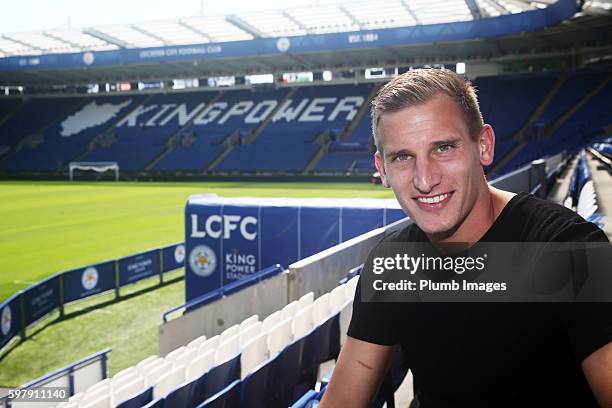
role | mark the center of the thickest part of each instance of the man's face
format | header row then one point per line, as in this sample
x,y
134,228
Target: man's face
x,y
432,164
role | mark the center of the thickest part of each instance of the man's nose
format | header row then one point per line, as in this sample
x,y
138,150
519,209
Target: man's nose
x,y
426,175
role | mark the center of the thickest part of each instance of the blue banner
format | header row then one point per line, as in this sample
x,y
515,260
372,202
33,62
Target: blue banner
x,y
279,225
319,229
9,319
174,257
229,239
41,299
82,282
240,256
140,266
420,34
203,239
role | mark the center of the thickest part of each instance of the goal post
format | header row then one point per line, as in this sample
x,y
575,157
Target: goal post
x,y
98,167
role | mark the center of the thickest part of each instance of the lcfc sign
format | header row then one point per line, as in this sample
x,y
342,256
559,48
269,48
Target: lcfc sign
x,y
215,226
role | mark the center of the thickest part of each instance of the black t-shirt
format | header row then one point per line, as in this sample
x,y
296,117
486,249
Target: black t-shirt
x,y
496,354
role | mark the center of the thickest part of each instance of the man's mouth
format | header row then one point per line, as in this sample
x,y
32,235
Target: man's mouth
x,y
433,203
433,199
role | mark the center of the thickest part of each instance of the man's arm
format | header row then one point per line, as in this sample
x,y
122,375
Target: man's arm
x,y
597,369
359,371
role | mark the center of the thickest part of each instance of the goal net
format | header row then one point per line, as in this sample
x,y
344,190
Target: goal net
x,y
98,167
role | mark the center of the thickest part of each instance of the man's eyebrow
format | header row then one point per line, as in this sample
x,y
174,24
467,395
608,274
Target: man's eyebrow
x,y
451,140
392,153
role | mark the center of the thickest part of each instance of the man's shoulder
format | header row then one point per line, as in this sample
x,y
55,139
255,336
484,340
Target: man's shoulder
x,y
541,220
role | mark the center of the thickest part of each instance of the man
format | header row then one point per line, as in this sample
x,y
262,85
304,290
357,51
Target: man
x,y
432,145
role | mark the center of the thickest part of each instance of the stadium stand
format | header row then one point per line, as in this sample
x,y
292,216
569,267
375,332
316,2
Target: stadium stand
x,y
287,130
251,364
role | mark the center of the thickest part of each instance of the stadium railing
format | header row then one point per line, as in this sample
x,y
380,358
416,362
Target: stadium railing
x,y
28,307
72,379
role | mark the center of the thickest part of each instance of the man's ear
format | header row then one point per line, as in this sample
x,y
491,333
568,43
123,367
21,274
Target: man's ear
x,y
380,165
486,145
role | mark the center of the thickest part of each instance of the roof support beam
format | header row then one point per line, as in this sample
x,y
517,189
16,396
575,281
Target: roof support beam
x,y
105,37
25,44
195,30
150,34
477,13
496,6
295,21
410,11
56,38
244,26
350,16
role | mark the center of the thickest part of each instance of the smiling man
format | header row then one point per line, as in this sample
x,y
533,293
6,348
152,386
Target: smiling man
x,y
432,145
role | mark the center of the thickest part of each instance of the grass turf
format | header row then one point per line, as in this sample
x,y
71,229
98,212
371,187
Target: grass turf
x,y
47,227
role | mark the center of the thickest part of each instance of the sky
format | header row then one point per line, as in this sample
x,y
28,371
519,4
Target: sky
x,y
39,15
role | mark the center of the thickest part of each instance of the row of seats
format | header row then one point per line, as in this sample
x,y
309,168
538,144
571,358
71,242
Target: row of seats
x,y
581,195
257,363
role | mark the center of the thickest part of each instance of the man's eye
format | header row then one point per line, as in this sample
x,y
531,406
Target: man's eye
x,y
401,157
445,148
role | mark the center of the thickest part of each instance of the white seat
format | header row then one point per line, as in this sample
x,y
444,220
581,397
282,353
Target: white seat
x,y
157,372
126,372
345,319
336,299
271,321
253,353
126,379
320,309
97,393
99,402
249,321
68,404
302,322
210,344
200,365
305,300
150,366
229,332
186,358
100,384
169,381
128,390
289,310
195,343
279,337
146,361
175,353
350,288
76,397
228,349
250,332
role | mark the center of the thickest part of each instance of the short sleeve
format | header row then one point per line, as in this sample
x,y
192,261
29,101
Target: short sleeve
x,y
589,327
373,321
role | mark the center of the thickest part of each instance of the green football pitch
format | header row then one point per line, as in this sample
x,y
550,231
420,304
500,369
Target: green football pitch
x,y
47,227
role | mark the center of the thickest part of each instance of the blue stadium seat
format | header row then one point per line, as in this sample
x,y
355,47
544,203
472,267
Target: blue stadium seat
x,y
157,403
260,387
296,369
220,376
327,340
229,397
139,400
186,395
307,398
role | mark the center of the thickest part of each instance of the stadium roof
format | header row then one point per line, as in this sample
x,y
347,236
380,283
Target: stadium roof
x,y
324,18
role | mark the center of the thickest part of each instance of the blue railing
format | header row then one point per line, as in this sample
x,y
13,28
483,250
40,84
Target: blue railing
x,y
29,306
227,290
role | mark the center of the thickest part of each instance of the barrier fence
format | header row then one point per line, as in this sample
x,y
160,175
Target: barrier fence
x,y
29,306
73,378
